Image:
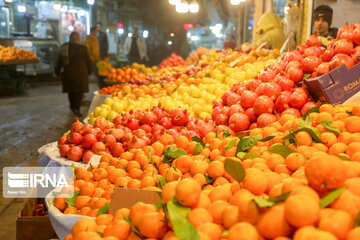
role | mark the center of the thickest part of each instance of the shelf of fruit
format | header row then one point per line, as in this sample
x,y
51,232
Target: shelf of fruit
x,y
172,61
294,177
125,74
268,164
13,55
194,90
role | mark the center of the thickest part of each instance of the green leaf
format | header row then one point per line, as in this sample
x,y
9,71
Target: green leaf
x,y
158,205
280,198
104,209
198,148
235,169
311,110
357,220
91,167
199,140
132,227
216,133
324,41
314,133
73,170
162,180
268,138
230,144
331,128
226,133
241,155
149,156
71,201
342,157
183,229
330,197
261,202
284,151
209,180
307,75
326,121
246,143
225,234
172,153
101,235
67,133
251,155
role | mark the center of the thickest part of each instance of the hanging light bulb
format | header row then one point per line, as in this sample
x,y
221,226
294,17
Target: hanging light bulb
x,y
236,2
194,7
174,2
182,7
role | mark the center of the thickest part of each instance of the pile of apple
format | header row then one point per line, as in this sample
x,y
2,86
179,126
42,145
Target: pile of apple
x,y
262,100
131,130
173,60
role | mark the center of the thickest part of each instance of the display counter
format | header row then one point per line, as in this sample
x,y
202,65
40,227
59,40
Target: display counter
x,y
46,50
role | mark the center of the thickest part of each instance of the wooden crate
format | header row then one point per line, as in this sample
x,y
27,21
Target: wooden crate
x,y
30,227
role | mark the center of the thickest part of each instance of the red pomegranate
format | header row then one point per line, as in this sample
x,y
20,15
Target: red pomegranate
x,y
263,104
239,122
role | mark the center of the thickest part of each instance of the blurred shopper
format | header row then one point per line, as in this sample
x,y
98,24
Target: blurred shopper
x,y
322,21
271,31
74,61
103,41
104,68
135,48
92,44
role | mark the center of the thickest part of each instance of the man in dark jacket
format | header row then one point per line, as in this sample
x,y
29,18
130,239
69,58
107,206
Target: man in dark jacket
x,y
322,21
76,64
103,41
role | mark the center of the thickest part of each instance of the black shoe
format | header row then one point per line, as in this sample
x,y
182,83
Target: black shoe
x,y
76,112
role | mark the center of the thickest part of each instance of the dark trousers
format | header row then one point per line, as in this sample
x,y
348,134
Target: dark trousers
x,y
101,82
75,100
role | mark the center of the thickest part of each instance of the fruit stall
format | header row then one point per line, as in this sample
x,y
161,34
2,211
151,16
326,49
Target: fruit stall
x,y
10,59
225,145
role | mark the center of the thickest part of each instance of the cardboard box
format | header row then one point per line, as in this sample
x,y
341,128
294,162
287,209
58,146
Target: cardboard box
x,y
30,227
126,197
337,86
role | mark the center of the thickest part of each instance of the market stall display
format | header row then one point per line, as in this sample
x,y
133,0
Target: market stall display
x,y
194,90
13,53
315,165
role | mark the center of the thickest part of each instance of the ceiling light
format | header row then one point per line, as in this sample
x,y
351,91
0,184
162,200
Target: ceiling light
x,y
21,8
182,7
194,7
174,2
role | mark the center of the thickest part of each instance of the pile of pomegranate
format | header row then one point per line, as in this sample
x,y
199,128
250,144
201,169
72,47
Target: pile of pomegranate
x,y
131,130
173,60
261,101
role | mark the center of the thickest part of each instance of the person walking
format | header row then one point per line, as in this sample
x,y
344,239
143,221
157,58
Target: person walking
x,y
135,48
103,41
74,65
92,44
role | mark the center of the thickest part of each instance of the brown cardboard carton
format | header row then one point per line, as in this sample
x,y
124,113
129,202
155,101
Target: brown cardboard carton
x,y
337,86
30,227
126,197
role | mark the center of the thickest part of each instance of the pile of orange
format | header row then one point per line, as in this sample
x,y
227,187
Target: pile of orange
x,y
125,74
13,53
300,182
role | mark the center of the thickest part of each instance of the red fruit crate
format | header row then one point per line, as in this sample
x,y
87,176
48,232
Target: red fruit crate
x,y
336,87
29,227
